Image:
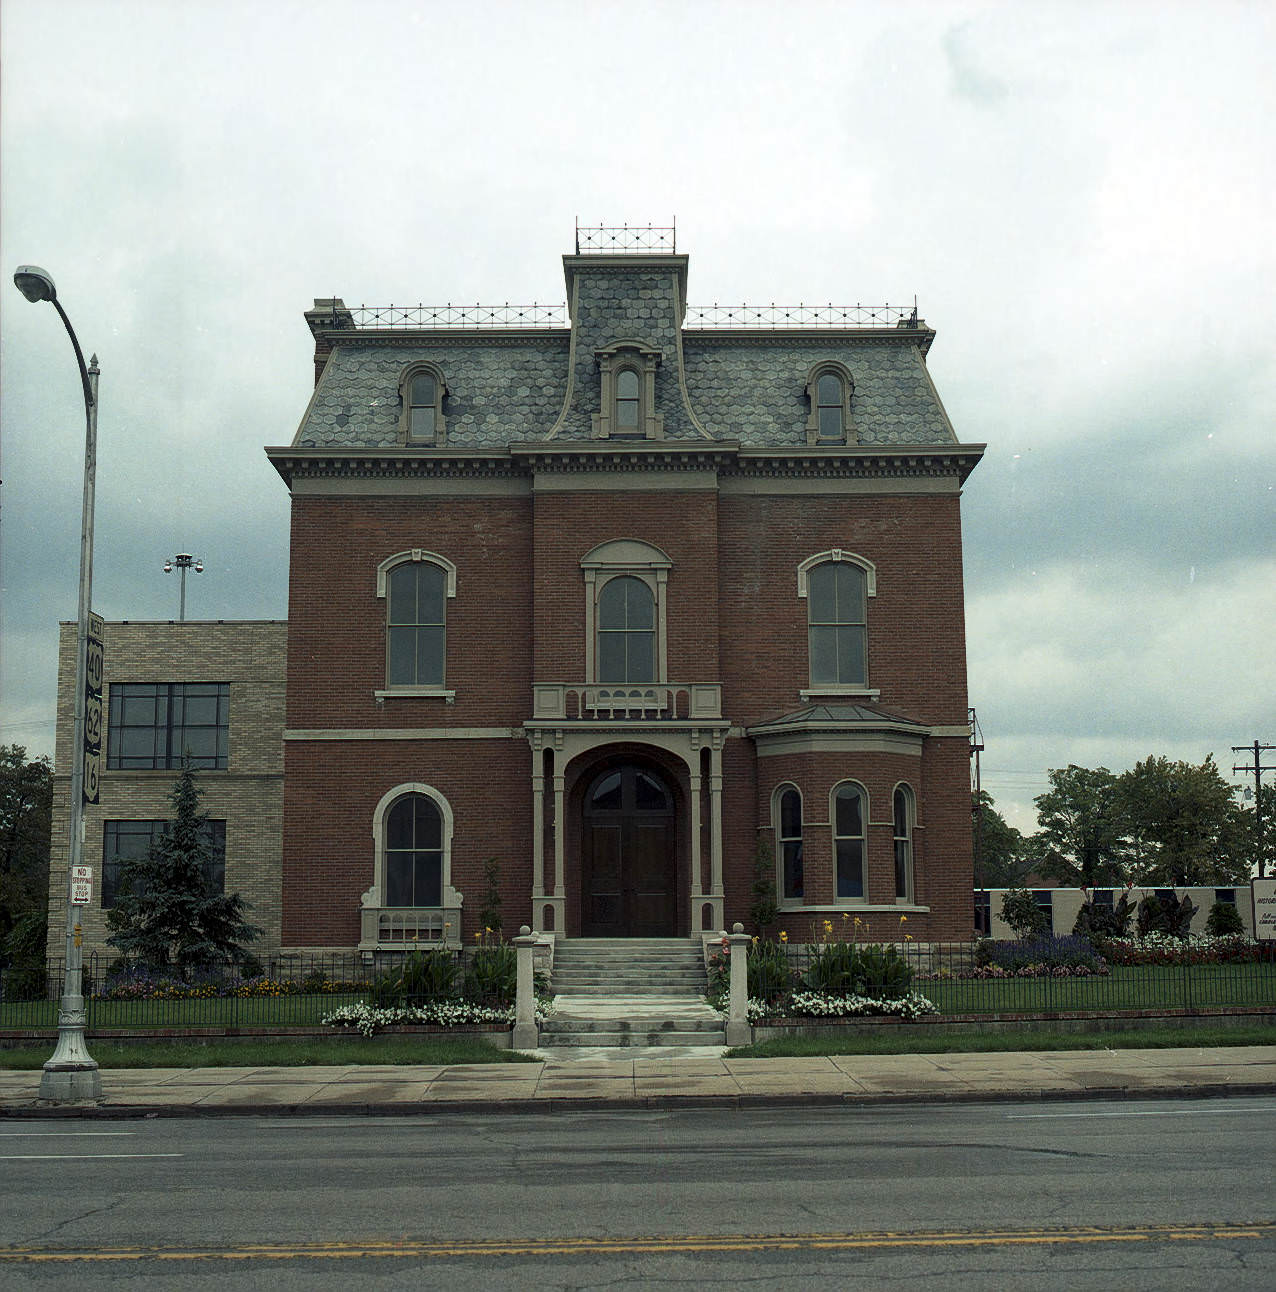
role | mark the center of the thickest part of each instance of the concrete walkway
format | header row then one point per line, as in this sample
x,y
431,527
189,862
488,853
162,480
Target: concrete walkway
x,y
661,1077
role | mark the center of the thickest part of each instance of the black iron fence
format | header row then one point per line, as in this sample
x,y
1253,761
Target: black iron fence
x,y
288,991
1050,976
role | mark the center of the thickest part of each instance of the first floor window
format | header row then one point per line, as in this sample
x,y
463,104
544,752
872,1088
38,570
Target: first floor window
x,y
849,816
414,852
903,814
789,844
158,726
124,841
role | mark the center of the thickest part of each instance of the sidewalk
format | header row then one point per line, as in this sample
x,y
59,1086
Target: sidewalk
x,y
652,1078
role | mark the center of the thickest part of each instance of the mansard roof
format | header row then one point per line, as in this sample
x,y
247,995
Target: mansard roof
x,y
519,375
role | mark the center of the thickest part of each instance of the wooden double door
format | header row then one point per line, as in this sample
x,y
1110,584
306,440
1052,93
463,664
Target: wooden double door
x,y
629,869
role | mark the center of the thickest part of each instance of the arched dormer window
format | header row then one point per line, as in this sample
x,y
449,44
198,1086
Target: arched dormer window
x,y
837,586
421,392
416,586
829,387
627,392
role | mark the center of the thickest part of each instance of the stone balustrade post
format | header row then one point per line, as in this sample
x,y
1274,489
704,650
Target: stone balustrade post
x,y
526,1033
738,1030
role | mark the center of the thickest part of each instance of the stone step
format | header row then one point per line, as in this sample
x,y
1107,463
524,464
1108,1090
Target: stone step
x,y
629,1040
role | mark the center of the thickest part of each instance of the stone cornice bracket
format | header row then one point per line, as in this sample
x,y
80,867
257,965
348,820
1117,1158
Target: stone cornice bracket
x,y
902,460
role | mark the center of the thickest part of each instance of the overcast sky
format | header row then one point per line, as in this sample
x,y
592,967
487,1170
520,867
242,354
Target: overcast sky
x,y
1080,196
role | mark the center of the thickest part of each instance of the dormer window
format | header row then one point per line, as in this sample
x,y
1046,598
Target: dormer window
x,y
421,392
627,392
628,403
829,388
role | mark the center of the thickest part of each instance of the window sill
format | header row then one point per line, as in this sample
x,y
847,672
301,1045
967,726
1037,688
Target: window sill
x,y
865,692
415,692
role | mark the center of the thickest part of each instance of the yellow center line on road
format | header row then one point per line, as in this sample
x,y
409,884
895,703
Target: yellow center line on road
x,y
448,1249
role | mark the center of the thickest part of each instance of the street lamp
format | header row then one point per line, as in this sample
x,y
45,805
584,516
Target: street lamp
x,y
71,1074
183,561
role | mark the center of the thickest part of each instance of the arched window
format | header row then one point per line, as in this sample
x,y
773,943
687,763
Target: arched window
x,y
421,392
837,624
829,388
787,816
850,812
416,586
628,404
904,812
626,631
414,852
829,408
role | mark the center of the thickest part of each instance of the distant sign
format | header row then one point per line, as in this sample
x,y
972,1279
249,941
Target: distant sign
x,y
95,661
1264,893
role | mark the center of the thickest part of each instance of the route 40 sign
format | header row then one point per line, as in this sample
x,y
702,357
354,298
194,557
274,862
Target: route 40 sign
x,y
94,659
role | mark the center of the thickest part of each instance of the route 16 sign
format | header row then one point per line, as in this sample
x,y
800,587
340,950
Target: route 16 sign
x,y
94,660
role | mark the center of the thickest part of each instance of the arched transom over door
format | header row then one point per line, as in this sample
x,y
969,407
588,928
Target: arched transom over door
x,y
629,862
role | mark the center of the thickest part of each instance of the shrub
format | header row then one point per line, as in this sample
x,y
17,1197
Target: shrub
x,y
492,973
490,915
883,972
1224,919
1171,917
840,967
1101,922
769,974
762,909
1046,952
422,975
1022,913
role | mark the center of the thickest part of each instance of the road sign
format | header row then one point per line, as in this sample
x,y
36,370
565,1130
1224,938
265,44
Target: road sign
x,y
94,659
81,892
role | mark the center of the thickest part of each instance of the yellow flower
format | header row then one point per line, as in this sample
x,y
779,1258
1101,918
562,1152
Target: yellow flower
x,y
478,937
903,919
845,916
858,921
784,937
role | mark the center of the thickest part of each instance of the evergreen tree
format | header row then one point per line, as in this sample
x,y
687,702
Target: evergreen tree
x,y
167,914
26,801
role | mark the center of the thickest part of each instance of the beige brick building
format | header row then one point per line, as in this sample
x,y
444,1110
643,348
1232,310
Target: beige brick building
x,y
215,687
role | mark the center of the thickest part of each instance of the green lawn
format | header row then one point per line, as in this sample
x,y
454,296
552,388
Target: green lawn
x,y
307,1052
142,1015
1126,987
974,1041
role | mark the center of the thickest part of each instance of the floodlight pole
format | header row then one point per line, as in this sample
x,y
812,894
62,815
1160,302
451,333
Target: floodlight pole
x,y
71,1075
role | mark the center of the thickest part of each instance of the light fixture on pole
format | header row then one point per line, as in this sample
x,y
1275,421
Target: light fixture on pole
x,y
71,1075
183,561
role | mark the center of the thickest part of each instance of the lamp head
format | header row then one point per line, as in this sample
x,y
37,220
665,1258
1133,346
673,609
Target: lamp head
x,y
34,283
168,567
199,567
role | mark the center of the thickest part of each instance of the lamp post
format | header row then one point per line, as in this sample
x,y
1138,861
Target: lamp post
x,y
183,561
71,1074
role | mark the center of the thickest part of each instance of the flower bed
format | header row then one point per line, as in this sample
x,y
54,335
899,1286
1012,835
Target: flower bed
x,y
1195,949
814,1004
369,1019
144,986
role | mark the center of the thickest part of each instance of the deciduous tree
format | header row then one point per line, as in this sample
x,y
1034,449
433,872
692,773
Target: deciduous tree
x,y
1083,836
26,801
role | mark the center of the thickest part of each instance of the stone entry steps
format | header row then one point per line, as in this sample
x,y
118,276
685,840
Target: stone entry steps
x,y
613,1022
629,967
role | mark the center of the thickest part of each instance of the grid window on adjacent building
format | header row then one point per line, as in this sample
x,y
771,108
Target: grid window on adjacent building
x,y
157,726
132,841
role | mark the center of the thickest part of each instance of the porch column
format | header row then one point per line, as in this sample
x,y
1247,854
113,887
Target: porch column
x,y
538,839
697,872
715,833
560,887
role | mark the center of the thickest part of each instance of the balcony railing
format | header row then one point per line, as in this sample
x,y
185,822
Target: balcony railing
x,y
634,702
388,928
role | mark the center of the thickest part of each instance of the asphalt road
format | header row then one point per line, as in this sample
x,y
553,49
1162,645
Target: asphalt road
x,y
1140,1194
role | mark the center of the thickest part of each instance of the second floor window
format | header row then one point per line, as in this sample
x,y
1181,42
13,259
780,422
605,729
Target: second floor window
x,y
626,631
157,726
416,599
837,624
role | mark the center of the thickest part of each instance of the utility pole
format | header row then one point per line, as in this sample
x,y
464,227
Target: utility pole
x,y
1257,767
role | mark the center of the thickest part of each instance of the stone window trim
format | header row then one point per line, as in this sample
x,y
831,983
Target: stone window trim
x,y
641,359
786,845
838,370
620,558
422,368
374,896
816,690
903,825
449,585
